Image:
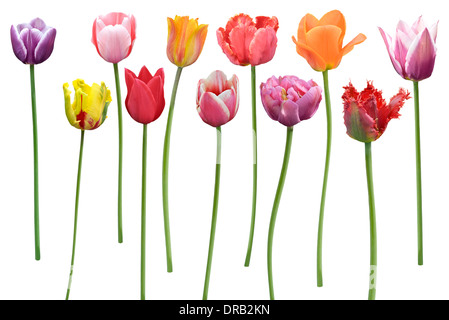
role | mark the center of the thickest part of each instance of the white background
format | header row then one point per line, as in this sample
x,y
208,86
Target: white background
x,y
105,269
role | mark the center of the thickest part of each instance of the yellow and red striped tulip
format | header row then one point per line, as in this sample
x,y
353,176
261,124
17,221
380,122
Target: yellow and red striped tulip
x,y
89,108
185,40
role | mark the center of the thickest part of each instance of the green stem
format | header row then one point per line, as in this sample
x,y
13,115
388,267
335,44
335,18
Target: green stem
x,y
80,161
37,249
277,200
143,219
372,220
120,152
214,215
326,173
418,174
254,123
165,163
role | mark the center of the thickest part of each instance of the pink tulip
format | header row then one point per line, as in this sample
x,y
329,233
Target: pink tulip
x,y
413,50
218,98
289,99
113,35
247,42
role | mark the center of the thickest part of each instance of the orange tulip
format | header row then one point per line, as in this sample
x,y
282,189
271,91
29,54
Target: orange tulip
x,y
185,40
320,42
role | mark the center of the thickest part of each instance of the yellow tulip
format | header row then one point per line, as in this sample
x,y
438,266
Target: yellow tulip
x,y
185,40
88,109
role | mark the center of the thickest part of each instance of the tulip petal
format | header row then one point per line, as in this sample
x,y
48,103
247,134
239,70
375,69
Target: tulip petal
x,y
307,23
420,59
240,38
324,41
45,46
391,111
216,82
141,103
308,104
18,46
357,40
335,18
388,43
263,47
145,75
359,124
313,58
113,43
226,47
288,115
229,99
213,110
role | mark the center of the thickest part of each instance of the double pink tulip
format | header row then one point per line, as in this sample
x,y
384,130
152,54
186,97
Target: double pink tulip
x,y
246,42
289,99
218,98
413,50
113,35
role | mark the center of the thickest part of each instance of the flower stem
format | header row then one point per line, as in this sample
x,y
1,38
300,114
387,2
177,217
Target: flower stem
x,y
120,154
165,164
214,215
37,249
326,173
277,200
418,173
372,220
143,219
80,161
254,123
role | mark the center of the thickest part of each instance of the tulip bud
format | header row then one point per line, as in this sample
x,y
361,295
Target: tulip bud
x,y
413,51
185,40
145,99
113,35
218,98
33,42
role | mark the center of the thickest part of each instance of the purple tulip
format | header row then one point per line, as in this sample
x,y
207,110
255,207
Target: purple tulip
x,y
289,99
413,50
33,42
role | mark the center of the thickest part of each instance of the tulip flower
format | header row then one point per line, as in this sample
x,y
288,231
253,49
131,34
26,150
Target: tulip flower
x,y
217,100
32,44
288,100
320,42
113,36
247,42
366,116
412,53
185,42
217,103
145,102
87,112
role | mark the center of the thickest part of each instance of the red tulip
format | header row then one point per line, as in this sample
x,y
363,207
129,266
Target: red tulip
x,y
246,42
145,99
367,114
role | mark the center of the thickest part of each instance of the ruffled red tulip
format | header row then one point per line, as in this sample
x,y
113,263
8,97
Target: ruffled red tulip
x,y
366,114
145,99
289,99
113,35
247,42
218,98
